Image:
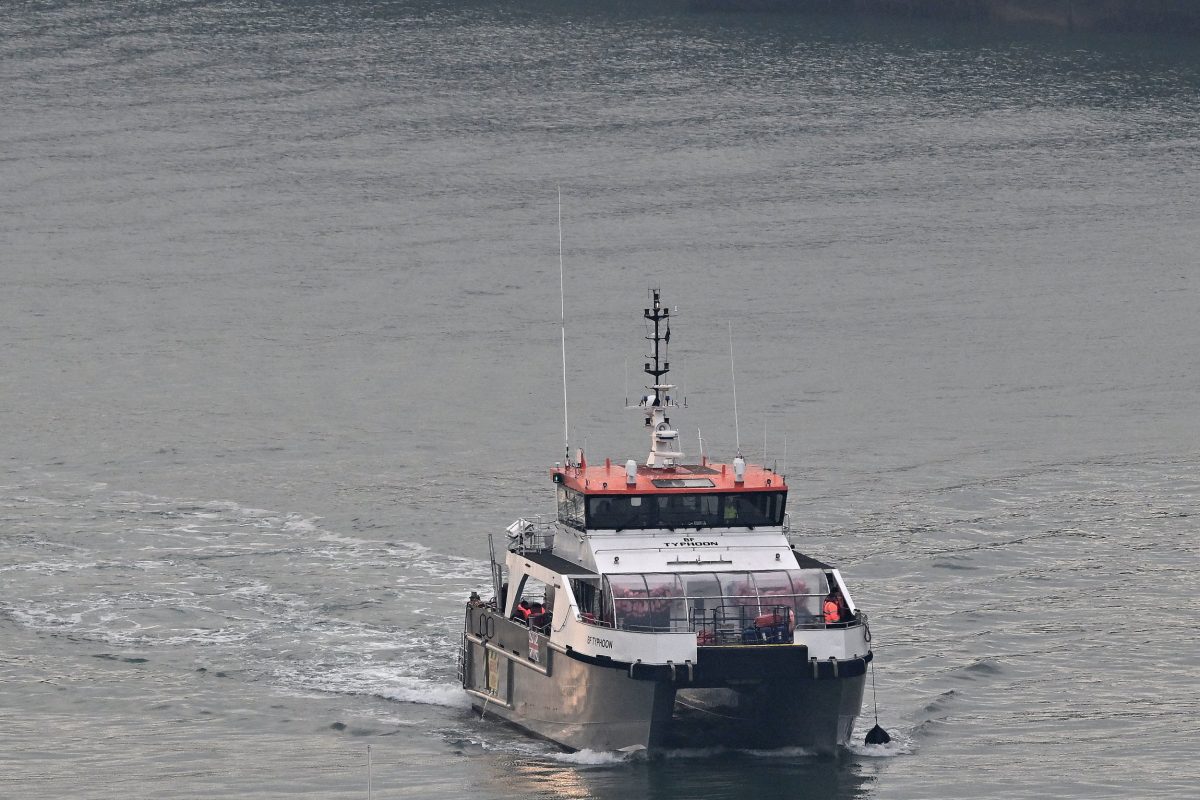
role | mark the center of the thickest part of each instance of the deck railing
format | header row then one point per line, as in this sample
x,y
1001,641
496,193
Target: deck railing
x,y
531,536
735,625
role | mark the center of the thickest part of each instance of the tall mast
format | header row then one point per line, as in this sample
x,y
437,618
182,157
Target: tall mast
x,y
663,438
562,298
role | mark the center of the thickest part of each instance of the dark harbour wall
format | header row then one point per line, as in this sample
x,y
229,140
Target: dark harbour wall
x,y
1174,16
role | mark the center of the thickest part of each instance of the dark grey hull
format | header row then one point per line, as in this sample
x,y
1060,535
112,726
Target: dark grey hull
x,y
817,716
750,697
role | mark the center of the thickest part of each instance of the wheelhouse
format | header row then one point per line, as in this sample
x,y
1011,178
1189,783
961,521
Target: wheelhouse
x,y
670,510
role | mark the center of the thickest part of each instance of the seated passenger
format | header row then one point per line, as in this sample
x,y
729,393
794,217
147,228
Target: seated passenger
x,y
539,618
522,611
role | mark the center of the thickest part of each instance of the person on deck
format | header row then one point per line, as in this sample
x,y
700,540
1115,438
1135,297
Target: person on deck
x,y
522,611
833,607
539,618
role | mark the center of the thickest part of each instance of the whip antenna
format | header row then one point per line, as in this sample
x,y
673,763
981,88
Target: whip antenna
x,y
733,375
562,298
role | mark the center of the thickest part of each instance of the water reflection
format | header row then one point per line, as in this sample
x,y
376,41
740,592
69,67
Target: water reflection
x,y
701,773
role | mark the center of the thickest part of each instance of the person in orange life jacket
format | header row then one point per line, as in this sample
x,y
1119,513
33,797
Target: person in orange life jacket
x,y
833,607
539,617
521,612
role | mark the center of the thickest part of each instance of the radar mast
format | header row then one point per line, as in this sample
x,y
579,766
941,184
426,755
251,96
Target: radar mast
x,y
664,440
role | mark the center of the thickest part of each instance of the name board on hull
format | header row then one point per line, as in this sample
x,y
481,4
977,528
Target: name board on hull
x,y
627,646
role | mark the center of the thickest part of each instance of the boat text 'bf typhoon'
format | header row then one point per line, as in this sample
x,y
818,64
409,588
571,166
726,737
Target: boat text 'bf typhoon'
x,y
665,607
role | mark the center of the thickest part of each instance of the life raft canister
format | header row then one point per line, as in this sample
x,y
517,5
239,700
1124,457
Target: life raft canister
x,y
774,618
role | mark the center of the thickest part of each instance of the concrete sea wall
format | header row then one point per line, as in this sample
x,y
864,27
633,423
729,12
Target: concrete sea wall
x,y
1176,16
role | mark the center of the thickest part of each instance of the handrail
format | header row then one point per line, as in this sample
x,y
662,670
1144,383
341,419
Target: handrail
x,y
526,536
815,623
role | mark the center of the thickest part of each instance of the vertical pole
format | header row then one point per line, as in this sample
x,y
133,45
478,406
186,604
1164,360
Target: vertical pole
x,y
737,432
562,298
368,772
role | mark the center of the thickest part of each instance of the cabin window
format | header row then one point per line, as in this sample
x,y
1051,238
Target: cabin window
x,y
707,510
711,601
534,603
618,512
753,508
587,596
653,602
531,590
570,507
679,511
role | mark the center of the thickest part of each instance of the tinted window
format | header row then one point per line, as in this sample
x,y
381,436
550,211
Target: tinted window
x,y
709,510
570,507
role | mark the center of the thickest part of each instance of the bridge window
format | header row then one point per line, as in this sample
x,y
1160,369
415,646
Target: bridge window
x,y
570,507
707,510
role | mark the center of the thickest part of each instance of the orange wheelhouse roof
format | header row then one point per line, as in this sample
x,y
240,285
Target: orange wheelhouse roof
x,y
610,479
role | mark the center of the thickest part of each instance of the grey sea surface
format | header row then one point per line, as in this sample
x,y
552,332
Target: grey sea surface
x,y
279,300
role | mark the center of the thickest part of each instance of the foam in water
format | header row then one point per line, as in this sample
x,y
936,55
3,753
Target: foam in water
x,y
377,681
900,745
780,752
591,758
49,567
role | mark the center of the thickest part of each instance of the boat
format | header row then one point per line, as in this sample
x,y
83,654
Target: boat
x,y
664,606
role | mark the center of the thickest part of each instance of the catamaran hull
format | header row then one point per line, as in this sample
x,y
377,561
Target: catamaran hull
x,y
579,706
749,697
815,716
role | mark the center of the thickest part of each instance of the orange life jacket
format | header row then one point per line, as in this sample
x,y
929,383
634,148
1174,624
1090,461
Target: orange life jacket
x,y
832,613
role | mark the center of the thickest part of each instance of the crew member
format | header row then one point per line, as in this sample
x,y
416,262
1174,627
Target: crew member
x,y
833,607
539,618
522,611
